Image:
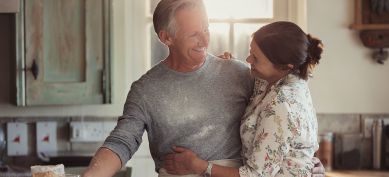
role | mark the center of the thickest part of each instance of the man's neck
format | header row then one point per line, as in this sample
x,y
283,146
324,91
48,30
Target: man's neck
x,y
182,65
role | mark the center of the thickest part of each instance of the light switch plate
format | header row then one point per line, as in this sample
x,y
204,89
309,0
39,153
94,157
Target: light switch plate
x,y
86,131
17,138
46,136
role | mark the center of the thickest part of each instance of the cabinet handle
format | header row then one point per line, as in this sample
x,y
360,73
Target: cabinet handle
x,y
34,69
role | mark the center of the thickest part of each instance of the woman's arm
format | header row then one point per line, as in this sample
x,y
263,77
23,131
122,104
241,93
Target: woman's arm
x,y
271,143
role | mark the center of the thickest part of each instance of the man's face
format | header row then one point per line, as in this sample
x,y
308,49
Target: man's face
x,y
191,40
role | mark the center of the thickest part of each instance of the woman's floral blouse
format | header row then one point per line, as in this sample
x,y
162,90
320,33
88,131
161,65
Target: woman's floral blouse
x,y
279,130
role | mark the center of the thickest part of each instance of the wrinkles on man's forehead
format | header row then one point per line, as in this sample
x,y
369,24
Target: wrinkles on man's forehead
x,y
178,26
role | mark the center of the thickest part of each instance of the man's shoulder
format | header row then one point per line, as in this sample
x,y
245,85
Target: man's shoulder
x,y
151,76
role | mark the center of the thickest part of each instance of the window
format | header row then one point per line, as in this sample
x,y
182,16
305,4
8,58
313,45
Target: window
x,y
230,27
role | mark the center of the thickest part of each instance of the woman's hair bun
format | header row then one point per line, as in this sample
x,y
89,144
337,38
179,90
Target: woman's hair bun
x,y
315,49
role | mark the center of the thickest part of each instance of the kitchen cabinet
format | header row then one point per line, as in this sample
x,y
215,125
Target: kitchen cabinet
x,y
9,6
371,19
366,19
63,52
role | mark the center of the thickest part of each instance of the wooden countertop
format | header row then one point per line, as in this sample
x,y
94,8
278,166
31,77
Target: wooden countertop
x,y
357,173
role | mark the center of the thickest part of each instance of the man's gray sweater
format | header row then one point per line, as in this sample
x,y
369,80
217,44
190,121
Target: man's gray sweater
x,y
199,110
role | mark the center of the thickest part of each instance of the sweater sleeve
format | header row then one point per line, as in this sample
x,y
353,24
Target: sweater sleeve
x,y
126,137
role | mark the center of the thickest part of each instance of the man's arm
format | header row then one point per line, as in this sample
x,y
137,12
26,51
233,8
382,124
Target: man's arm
x,y
104,163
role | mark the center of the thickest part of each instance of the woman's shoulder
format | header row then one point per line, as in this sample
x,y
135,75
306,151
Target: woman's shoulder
x,y
293,86
286,94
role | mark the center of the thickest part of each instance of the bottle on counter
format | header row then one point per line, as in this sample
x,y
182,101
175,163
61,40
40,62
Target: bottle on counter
x,y
377,143
325,150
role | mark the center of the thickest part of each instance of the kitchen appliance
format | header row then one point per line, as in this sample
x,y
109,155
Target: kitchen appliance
x,y
377,140
2,146
325,150
385,149
347,151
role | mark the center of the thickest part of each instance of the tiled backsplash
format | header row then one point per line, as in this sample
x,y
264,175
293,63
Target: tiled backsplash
x,y
339,123
336,123
63,137
349,125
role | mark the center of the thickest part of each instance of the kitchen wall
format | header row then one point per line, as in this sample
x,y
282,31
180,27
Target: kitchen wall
x,y
347,80
347,86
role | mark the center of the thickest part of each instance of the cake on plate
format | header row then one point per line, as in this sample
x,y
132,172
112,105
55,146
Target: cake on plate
x,y
48,170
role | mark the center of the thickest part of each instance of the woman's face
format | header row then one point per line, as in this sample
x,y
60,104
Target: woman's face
x,y
261,66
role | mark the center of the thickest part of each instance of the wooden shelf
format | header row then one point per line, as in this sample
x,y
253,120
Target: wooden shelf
x,y
359,25
369,26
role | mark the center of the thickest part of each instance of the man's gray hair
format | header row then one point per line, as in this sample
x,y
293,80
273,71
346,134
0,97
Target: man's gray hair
x,y
163,17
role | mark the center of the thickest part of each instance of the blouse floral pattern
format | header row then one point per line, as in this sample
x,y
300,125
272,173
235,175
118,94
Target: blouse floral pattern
x,y
279,130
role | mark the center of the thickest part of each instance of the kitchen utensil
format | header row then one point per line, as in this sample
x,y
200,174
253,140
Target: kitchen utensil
x,y
377,143
347,151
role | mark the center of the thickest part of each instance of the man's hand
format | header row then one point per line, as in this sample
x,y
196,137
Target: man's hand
x,y
184,161
226,55
318,170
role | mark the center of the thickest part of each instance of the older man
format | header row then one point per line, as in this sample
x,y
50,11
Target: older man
x,y
190,99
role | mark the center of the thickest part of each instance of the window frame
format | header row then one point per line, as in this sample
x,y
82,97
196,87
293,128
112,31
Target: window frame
x,y
135,19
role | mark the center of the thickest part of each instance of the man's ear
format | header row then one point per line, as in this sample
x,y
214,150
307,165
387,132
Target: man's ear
x,y
165,37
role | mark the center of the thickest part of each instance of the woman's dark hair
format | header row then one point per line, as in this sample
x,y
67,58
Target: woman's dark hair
x,y
286,43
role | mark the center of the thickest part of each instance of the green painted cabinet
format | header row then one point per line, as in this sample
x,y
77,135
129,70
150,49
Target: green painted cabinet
x,y
63,52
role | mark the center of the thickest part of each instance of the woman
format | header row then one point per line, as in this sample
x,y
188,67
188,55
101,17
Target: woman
x,y
279,127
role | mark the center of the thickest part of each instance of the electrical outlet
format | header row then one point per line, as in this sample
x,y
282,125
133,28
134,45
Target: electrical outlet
x,y
90,131
17,138
46,136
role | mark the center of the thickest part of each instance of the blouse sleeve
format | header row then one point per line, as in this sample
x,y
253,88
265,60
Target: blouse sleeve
x,y
271,141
